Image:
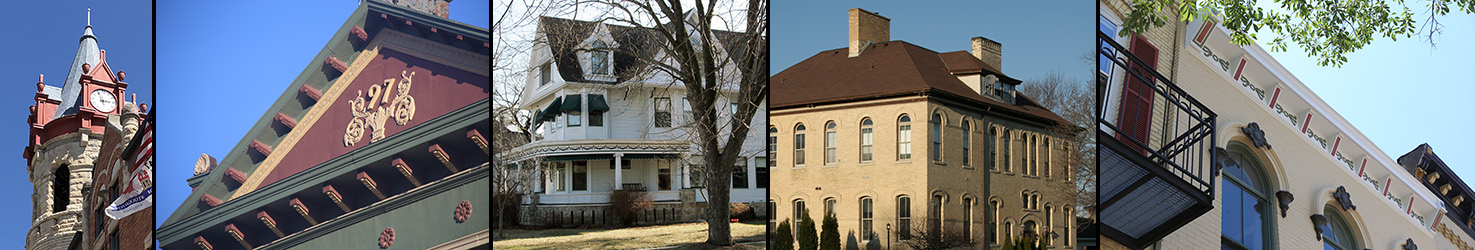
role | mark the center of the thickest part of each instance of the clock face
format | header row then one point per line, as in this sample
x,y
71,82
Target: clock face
x,y
103,101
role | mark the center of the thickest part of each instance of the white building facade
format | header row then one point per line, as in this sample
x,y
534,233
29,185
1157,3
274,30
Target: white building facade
x,y
1280,167
608,122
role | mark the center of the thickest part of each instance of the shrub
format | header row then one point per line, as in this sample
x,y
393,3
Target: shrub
x,y
740,211
782,238
626,205
805,234
829,237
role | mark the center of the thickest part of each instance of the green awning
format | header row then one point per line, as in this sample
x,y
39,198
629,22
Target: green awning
x,y
596,103
542,117
572,104
552,109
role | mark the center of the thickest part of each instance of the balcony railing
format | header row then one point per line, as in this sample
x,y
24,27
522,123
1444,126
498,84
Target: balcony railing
x,y
1156,171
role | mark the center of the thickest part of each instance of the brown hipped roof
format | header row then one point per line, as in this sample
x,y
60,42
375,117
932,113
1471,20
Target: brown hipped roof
x,y
889,69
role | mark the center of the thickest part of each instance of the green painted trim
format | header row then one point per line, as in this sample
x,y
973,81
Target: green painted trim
x,y
363,214
452,122
437,21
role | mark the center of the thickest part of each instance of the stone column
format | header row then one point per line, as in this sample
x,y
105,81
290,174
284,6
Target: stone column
x,y
619,170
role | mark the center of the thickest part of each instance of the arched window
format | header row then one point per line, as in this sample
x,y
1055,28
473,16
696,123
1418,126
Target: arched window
x,y
830,205
1024,199
798,210
1070,225
599,58
967,217
1008,232
799,145
1005,147
865,139
936,137
61,192
904,138
1337,234
967,140
904,216
993,221
830,141
1048,152
1246,205
993,148
866,216
1049,224
772,141
935,223
1034,155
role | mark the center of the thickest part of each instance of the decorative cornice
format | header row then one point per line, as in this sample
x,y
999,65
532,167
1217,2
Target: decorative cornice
x,y
358,32
405,170
449,183
369,183
546,148
286,120
310,92
335,64
210,200
261,147
411,139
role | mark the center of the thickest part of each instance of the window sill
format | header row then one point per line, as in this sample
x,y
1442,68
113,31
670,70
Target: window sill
x,y
866,163
798,167
903,161
831,165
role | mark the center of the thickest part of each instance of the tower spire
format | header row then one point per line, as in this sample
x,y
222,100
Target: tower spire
x,y
89,17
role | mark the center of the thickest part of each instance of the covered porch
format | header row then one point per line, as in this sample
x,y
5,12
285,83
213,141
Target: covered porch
x,y
586,172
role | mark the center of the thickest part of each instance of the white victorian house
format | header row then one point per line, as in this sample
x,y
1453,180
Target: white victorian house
x,y
608,123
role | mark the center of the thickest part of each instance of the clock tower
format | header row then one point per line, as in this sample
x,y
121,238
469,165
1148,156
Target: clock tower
x,y
67,130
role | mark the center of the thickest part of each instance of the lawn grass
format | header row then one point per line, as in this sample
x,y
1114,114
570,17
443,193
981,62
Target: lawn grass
x,y
623,238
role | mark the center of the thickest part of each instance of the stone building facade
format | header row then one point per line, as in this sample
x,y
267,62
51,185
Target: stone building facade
x,y
68,125
1277,167
910,142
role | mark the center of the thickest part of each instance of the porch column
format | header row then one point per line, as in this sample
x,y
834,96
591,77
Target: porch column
x,y
686,172
619,170
548,185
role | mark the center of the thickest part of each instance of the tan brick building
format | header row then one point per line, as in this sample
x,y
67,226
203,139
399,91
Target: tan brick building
x,y
895,139
1204,143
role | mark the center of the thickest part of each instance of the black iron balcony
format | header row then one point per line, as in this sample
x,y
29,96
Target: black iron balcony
x,y
1155,142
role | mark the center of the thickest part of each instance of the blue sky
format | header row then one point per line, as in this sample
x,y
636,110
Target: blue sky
x,y
226,62
42,39
1037,39
1404,93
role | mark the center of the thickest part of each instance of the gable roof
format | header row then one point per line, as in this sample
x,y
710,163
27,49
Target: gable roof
x,y
371,18
889,69
565,35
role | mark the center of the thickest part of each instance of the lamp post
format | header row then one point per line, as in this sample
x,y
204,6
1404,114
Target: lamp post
x,y
888,235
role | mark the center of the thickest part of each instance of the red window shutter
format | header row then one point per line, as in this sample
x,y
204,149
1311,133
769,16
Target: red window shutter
x,y
1135,119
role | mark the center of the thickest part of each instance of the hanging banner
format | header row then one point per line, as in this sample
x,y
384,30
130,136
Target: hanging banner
x,y
139,194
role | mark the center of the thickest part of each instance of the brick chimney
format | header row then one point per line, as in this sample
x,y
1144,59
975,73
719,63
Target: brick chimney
x,y
989,52
867,28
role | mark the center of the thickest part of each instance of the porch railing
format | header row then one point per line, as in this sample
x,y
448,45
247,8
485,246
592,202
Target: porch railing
x,y
1156,166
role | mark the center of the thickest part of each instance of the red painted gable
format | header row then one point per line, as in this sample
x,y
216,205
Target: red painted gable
x,y
437,89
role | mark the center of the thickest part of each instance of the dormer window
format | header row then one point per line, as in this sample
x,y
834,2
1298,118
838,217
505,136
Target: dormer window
x,y
1004,92
545,74
599,59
